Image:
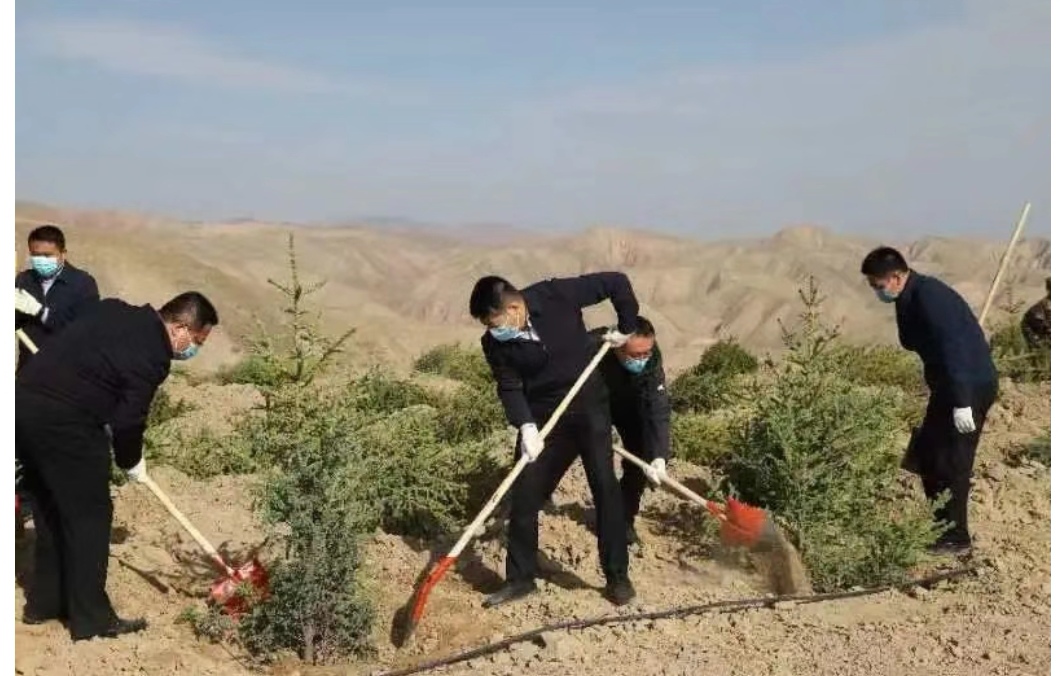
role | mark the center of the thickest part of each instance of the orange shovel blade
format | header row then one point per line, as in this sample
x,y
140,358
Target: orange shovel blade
x,y
231,592
743,525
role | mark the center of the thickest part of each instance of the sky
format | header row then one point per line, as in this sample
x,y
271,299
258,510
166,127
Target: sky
x,y
716,117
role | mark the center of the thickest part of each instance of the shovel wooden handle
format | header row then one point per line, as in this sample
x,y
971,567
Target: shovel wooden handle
x,y
498,494
27,341
996,284
183,520
713,507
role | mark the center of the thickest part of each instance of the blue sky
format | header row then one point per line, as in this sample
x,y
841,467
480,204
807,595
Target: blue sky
x,y
897,117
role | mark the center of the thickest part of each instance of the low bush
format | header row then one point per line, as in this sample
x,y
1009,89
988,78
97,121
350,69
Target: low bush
x,y
713,383
457,363
702,439
1017,360
821,452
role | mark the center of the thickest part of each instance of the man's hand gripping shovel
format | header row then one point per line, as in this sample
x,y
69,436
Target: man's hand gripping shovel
x,y
748,527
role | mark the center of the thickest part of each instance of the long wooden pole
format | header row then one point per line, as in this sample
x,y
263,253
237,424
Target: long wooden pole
x,y
1004,263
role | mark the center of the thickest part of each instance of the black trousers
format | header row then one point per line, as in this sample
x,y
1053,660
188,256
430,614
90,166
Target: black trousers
x,y
633,478
946,457
67,473
585,434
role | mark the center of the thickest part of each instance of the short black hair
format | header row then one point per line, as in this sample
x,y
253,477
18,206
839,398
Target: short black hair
x,y
490,295
49,233
883,261
191,308
644,328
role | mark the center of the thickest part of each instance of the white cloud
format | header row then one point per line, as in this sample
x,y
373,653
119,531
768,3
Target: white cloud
x,y
171,52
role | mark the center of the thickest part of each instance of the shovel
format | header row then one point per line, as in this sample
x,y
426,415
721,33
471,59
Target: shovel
x,y
419,600
746,526
224,591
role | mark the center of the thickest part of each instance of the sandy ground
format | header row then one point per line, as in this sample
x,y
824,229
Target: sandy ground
x,y
995,622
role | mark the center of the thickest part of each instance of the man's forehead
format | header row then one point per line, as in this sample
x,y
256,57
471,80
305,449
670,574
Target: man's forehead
x,y
41,245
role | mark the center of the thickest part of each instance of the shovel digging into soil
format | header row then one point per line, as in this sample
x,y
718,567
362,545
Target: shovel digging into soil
x,y
229,592
749,527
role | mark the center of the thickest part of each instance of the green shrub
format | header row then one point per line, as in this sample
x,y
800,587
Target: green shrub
x,y
726,358
821,452
204,454
164,408
713,382
881,365
468,414
1017,360
701,392
457,363
379,392
316,605
255,369
700,438
409,477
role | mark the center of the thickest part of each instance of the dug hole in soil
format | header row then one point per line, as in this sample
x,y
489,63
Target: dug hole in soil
x,y
995,622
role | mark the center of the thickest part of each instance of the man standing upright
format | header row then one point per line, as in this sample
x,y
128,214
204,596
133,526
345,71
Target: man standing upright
x,y
640,411
936,323
537,346
102,370
51,293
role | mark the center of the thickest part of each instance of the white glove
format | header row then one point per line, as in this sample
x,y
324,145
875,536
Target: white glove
x,y
657,472
963,420
26,303
531,443
616,338
138,473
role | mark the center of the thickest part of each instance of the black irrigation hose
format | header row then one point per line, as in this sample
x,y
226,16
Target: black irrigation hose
x,y
734,605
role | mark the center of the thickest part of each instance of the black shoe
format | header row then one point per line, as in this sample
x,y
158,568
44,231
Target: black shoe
x,y
619,590
511,591
32,618
118,627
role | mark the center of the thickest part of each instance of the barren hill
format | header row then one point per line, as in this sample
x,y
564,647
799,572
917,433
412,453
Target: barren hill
x,y
406,288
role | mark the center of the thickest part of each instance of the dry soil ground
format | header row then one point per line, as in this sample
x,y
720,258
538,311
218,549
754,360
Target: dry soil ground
x,y
995,622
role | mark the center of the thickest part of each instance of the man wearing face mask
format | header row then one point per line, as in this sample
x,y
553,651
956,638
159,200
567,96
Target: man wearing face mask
x,y
936,323
52,293
103,370
640,411
537,346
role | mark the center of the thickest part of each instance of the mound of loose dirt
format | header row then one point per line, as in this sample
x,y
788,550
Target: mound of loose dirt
x,y
994,623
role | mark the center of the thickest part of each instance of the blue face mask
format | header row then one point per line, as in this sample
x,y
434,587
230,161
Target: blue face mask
x,y
504,333
45,266
885,296
187,353
635,366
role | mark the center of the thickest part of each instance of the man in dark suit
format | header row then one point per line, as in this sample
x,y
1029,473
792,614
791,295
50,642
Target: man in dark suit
x,y
103,370
537,346
936,323
640,411
52,293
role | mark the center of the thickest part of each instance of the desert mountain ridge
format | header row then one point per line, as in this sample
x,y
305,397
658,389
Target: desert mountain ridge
x,y
405,288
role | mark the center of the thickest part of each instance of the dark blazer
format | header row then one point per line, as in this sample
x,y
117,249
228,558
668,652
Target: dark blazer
x,y
936,323
72,293
639,402
107,365
533,376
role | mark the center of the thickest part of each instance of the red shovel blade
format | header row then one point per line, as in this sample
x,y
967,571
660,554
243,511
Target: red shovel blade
x,y
744,524
248,583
